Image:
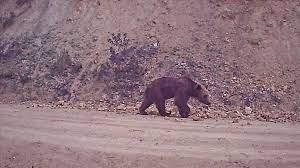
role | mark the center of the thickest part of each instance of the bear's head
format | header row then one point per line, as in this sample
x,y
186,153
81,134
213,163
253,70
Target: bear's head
x,y
202,94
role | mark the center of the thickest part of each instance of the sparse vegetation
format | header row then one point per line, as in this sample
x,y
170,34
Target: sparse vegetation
x,y
22,2
22,61
124,70
7,72
119,42
7,21
61,64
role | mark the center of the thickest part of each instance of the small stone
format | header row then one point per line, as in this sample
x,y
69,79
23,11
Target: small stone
x,y
41,105
82,105
233,114
121,107
131,108
235,120
222,114
273,88
211,115
248,110
248,123
166,118
95,39
259,118
196,118
60,103
101,109
227,39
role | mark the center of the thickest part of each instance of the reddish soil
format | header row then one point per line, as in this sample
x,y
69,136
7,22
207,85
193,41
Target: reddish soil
x,y
44,137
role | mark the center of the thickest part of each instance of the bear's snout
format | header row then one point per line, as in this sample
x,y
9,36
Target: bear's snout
x,y
205,100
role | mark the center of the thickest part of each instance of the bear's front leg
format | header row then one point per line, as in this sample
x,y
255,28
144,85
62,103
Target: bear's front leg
x,y
181,100
184,111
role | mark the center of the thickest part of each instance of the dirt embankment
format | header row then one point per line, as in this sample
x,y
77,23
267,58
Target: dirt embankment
x,y
247,52
44,137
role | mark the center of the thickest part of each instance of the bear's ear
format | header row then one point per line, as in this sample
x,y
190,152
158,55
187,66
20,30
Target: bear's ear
x,y
197,87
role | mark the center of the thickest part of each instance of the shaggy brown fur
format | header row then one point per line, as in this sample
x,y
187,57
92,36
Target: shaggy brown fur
x,y
168,87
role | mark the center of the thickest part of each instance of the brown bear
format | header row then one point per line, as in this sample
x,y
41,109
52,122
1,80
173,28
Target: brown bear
x,y
181,89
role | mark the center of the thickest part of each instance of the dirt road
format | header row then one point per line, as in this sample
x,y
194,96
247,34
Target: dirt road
x,y
43,137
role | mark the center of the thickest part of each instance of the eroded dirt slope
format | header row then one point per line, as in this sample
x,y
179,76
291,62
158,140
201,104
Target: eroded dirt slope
x,y
247,52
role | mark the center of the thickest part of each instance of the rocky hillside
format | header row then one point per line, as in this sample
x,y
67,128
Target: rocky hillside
x,y
105,52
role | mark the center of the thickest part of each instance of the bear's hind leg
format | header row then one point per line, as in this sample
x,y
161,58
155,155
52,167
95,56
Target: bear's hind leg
x,y
161,107
181,102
